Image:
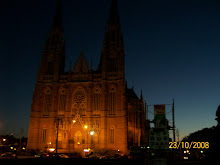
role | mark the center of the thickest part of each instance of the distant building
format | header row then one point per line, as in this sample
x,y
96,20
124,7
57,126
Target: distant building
x,y
95,108
8,143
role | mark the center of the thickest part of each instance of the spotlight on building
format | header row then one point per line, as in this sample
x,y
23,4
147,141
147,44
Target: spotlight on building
x,y
51,149
86,150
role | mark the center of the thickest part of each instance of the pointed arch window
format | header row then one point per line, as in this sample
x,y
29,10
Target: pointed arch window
x,y
62,102
47,102
112,135
96,102
112,102
44,134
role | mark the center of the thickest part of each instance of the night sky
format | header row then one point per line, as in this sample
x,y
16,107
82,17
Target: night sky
x,y
172,51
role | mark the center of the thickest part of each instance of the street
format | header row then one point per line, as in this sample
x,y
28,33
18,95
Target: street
x,y
95,161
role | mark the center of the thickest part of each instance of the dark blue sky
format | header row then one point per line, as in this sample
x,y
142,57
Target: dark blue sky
x,y
172,51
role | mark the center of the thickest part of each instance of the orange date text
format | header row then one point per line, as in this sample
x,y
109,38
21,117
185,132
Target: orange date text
x,y
189,145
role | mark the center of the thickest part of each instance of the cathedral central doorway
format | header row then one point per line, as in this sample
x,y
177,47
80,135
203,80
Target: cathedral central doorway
x,y
78,140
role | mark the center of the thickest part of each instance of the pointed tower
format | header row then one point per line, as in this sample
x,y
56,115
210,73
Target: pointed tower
x,y
53,54
112,57
141,97
81,64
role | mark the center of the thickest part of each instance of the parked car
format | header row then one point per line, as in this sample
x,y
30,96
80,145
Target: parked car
x,y
63,156
8,155
47,155
75,155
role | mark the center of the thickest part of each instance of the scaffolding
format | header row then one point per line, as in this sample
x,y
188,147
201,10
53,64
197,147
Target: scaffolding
x,y
169,113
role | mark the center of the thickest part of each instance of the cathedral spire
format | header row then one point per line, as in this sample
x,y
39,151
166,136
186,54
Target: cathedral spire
x,y
141,97
81,64
56,30
70,68
112,57
91,65
113,30
114,17
53,54
57,22
81,54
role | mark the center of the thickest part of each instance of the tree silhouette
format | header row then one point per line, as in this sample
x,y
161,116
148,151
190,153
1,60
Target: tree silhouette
x,y
218,115
211,135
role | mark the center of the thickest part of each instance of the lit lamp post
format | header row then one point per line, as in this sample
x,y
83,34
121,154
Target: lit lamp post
x,y
57,121
87,135
48,148
69,142
3,141
91,133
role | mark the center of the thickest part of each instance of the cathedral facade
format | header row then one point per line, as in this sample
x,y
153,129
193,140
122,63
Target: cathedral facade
x,y
84,108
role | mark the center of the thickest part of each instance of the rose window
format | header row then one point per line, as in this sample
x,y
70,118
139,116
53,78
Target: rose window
x,y
79,97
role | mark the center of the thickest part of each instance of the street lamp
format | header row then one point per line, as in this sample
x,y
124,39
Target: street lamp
x,y
57,121
92,132
88,132
85,126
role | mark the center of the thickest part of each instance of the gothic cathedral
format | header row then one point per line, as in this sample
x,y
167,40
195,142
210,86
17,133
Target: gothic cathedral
x,y
84,108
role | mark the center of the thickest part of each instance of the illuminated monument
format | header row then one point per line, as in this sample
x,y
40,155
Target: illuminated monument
x,y
89,108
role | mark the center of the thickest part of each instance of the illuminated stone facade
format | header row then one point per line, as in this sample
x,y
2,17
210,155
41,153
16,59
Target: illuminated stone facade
x,y
82,100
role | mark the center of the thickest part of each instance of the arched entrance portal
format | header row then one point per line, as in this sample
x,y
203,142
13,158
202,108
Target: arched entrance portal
x,y
78,140
77,137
